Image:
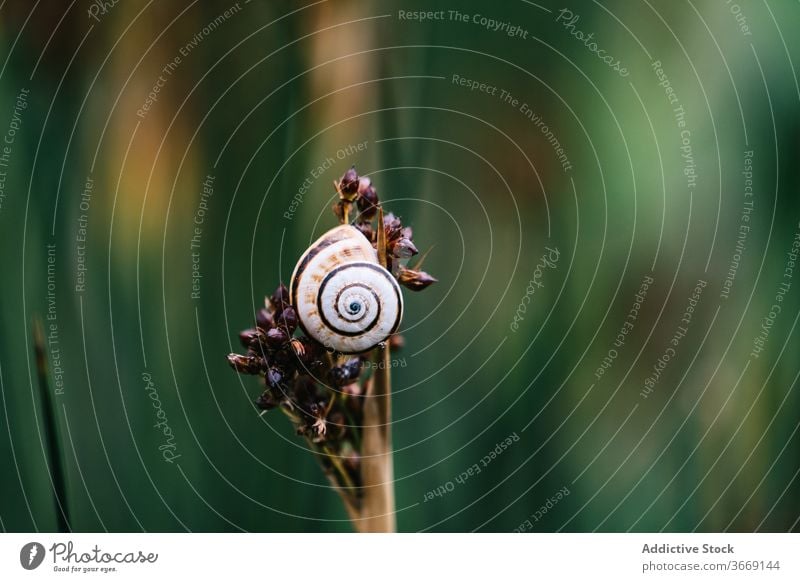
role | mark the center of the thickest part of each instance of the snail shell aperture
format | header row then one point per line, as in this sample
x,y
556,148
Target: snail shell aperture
x,y
343,297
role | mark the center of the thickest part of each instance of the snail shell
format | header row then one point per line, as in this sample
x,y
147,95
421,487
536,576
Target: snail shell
x,y
343,297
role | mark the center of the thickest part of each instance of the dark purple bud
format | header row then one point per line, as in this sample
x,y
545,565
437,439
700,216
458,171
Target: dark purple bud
x,y
404,249
348,185
414,280
247,336
258,343
273,377
367,201
364,184
277,337
280,299
347,372
264,319
288,320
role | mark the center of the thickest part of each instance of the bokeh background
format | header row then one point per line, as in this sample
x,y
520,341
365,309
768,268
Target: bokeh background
x,y
257,96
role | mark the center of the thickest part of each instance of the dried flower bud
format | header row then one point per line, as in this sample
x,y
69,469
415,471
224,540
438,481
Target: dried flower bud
x,y
347,372
364,184
391,223
247,336
348,185
404,249
273,377
264,319
414,280
367,200
258,344
288,320
277,337
246,364
280,299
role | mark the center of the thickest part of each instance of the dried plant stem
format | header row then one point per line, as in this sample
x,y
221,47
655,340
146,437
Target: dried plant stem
x,y
339,479
377,461
348,495
337,463
377,465
350,505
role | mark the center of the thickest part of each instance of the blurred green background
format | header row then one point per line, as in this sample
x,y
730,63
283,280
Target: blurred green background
x,y
258,95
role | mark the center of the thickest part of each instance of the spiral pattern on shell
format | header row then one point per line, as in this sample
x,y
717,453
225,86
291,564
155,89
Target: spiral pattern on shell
x,y
343,297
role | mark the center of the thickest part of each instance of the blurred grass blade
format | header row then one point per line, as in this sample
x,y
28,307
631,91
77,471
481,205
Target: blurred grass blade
x,y
50,432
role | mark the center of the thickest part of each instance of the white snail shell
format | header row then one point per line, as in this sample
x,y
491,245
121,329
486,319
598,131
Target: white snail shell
x,y
343,297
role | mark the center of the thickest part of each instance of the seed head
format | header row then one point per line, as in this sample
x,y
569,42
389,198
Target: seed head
x,y
403,248
277,337
264,319
288,320
280,299
348,185
367,200
414,280
246,364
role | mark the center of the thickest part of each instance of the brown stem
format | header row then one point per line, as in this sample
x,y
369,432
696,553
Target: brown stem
x,y
340,480
349,486
350,504
377,462
377,465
